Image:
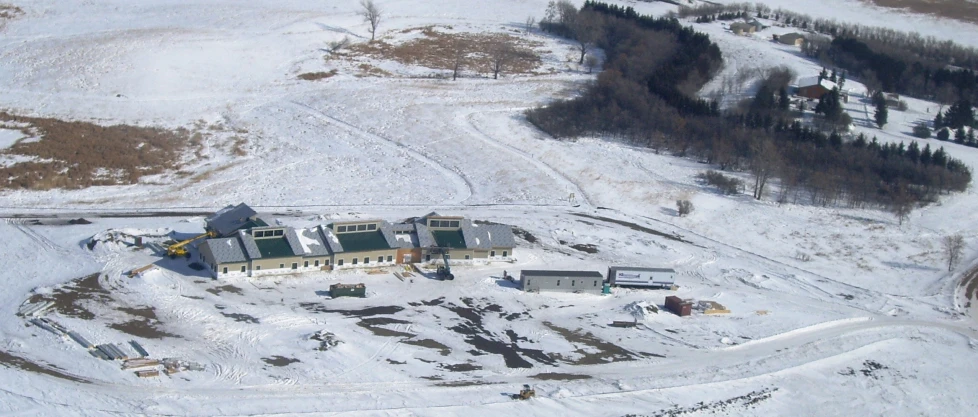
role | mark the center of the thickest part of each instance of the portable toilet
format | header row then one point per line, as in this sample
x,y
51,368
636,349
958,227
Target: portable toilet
x,y
606,289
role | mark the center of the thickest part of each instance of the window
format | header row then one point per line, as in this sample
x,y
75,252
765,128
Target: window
x,y
595,283
558,282
340,229
257,267
354,261
427,258
434,223
316,262
280,233
258,233
225,269
390,258
466,256
339,262
504,254
453,223
295,265
573,282
361,227
366,259
243,268
281,266
492,253
305,264
371,226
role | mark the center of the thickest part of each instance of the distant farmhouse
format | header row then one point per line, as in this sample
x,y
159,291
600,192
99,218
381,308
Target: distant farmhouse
x,y
814,87
254,248
795,39
742,28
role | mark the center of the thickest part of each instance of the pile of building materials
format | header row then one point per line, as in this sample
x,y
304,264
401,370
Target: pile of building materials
x,y
50,325
348,290
711,307
139,363
35,309
148,373
110,351
174,365
679,306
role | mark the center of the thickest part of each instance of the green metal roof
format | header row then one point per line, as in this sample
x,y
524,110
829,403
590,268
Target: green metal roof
x,y
274,248
449,238
362,241
254,223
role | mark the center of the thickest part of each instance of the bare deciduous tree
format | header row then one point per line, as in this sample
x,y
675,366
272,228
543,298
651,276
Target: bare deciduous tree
x,y
765,164
500,55
953,246
902,206
371,15
590,62
459,51
586,31
530,21
335,46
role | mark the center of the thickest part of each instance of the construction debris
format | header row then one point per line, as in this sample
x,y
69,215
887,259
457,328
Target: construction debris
x,y
35,309
113,351
50,325
139,349
711,307
139,271
139,363
149,373
81,340
174,365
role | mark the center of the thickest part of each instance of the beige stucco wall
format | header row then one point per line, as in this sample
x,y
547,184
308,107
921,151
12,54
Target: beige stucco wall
x,y
273,263
348,258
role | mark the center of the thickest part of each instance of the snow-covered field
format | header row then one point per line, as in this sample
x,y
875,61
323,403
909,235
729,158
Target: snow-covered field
x,y
834,311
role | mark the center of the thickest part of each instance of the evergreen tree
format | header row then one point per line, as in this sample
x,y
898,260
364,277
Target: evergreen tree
x,y
960,136
913,152
842,79
960,114
833,77
939,158
835,140
938,121
860,141
926,155
823,75
829,105
943,134
881,114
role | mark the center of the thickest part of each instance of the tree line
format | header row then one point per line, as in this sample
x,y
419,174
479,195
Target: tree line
x,y
646,97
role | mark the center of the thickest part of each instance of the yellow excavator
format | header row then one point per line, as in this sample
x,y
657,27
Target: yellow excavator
x,y
180,248
525,394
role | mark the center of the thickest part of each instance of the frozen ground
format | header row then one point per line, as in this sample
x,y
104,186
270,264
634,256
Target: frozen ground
x,y
871,324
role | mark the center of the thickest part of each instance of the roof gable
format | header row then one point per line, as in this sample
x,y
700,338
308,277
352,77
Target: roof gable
x,y
225,250
229,219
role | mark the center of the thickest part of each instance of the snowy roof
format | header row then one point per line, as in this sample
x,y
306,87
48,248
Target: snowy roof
x,y
312,242
487,236
226,250
387,230
425,238
229,219
249,244
810,81
330,239
293,239
629,268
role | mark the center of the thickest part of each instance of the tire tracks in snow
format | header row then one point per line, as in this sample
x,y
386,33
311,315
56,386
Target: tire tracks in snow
x,y
462,186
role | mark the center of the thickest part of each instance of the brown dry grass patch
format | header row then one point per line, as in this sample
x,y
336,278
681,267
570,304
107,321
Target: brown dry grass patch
x,y
436,50
951,9
74,154
9,11
313,76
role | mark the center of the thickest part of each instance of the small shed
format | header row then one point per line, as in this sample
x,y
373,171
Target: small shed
x,y
561,281
348,290
742,28
679,306
814,87
641,277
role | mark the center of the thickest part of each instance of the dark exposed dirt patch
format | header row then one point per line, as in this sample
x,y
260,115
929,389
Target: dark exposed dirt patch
x,y
241,317
730,406
523,234
430,344
585,247
279,360
393,362
148,313
635,227
485,341
367,312
14,361
374,325
606,352
79,221
145,328
9,11
433,378
314,76
461,367
192,297
70,298
225,288
556,376
462,383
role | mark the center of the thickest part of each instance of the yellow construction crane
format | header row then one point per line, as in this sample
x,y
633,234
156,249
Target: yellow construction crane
x,y
180,248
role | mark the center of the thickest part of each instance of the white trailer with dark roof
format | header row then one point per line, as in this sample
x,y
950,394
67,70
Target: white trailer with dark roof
x,y
626,276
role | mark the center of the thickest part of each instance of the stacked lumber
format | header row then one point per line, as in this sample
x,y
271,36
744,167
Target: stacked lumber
x,y
139,363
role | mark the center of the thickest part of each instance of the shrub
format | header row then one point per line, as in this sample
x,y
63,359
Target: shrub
x,y
921,131
943,134
684,207
727,185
